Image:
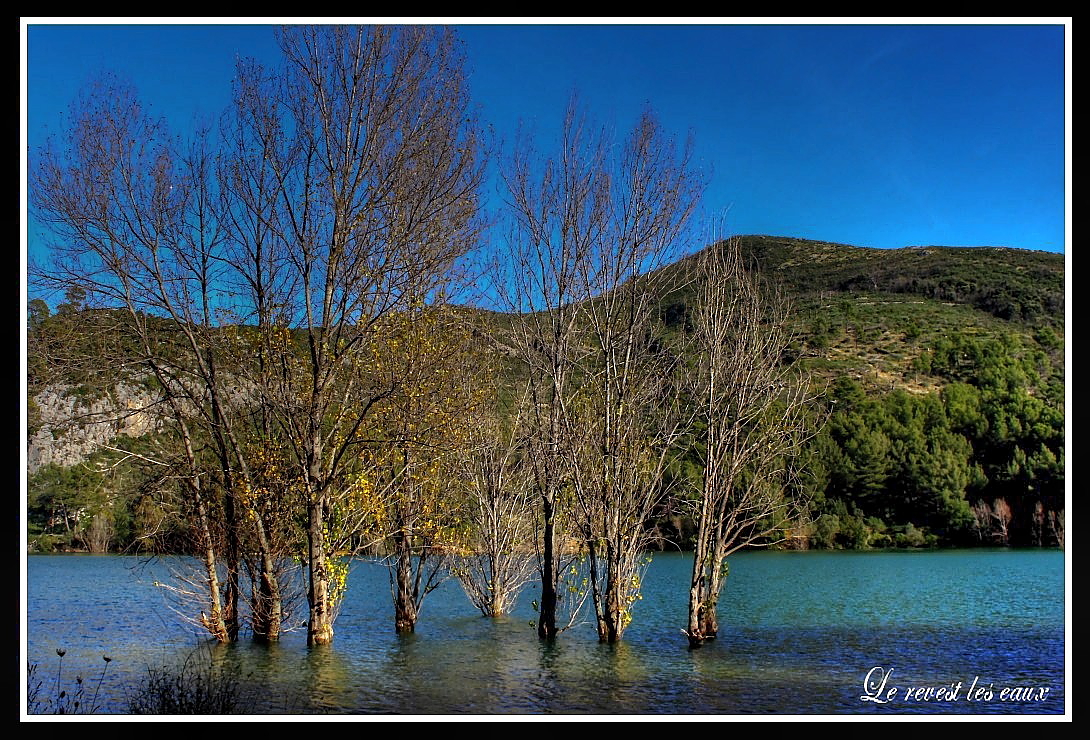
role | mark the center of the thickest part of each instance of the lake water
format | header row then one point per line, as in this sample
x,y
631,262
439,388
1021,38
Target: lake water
x,y
800,633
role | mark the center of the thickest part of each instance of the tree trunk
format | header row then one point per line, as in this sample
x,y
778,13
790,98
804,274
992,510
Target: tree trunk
x,y
320,622
268,610
405,613
710,617
617,600
546,622
233,559
697,589
213,622
607,602
704,601
495,606
705,587
711,598
615,619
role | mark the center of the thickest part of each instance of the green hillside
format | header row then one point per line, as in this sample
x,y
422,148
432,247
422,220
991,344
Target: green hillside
x,y
943,372
872,313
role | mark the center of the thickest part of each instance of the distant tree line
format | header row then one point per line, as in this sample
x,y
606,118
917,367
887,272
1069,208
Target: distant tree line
x,y
979,461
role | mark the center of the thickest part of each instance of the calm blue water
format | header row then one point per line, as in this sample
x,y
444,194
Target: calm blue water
x,y
799,634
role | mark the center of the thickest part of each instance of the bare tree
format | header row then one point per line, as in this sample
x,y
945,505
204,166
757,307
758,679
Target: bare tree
x,y
373,168
632,409
982,514
542,290
753,413
1056,526
137,232
1001,518
1037,524
592,225
346,193
993,521
495,557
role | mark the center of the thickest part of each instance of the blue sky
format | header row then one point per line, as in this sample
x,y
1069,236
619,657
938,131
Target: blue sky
x,y
873,135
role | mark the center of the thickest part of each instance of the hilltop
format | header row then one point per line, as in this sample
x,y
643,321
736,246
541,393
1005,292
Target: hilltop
x,y
873,313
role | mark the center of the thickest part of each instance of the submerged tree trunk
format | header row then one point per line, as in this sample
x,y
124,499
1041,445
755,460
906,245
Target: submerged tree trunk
x,y
707,579
405,611
704,605
268,608
616,619
320,621
609,597
496,607
213,622
711,616
609,609
546,622
717,577
233,558
698,586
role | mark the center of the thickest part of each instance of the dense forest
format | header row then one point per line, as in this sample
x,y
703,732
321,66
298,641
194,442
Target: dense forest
x,y
944,377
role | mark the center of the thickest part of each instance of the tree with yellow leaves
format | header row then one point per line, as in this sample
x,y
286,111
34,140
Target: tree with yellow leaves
x,y
415,443
363,162
143,238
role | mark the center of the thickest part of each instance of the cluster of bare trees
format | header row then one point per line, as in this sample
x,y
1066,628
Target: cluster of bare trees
x,y
286,279
613,400
992,523
260,276
590,229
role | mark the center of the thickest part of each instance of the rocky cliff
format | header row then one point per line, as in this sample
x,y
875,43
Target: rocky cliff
x,y
68,426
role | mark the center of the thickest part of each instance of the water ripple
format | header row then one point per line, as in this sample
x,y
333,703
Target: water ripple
x,y
799,633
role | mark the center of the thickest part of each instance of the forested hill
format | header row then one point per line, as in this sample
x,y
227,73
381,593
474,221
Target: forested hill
x,y
943,377
892,317
1008,283
943,370
1014,284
